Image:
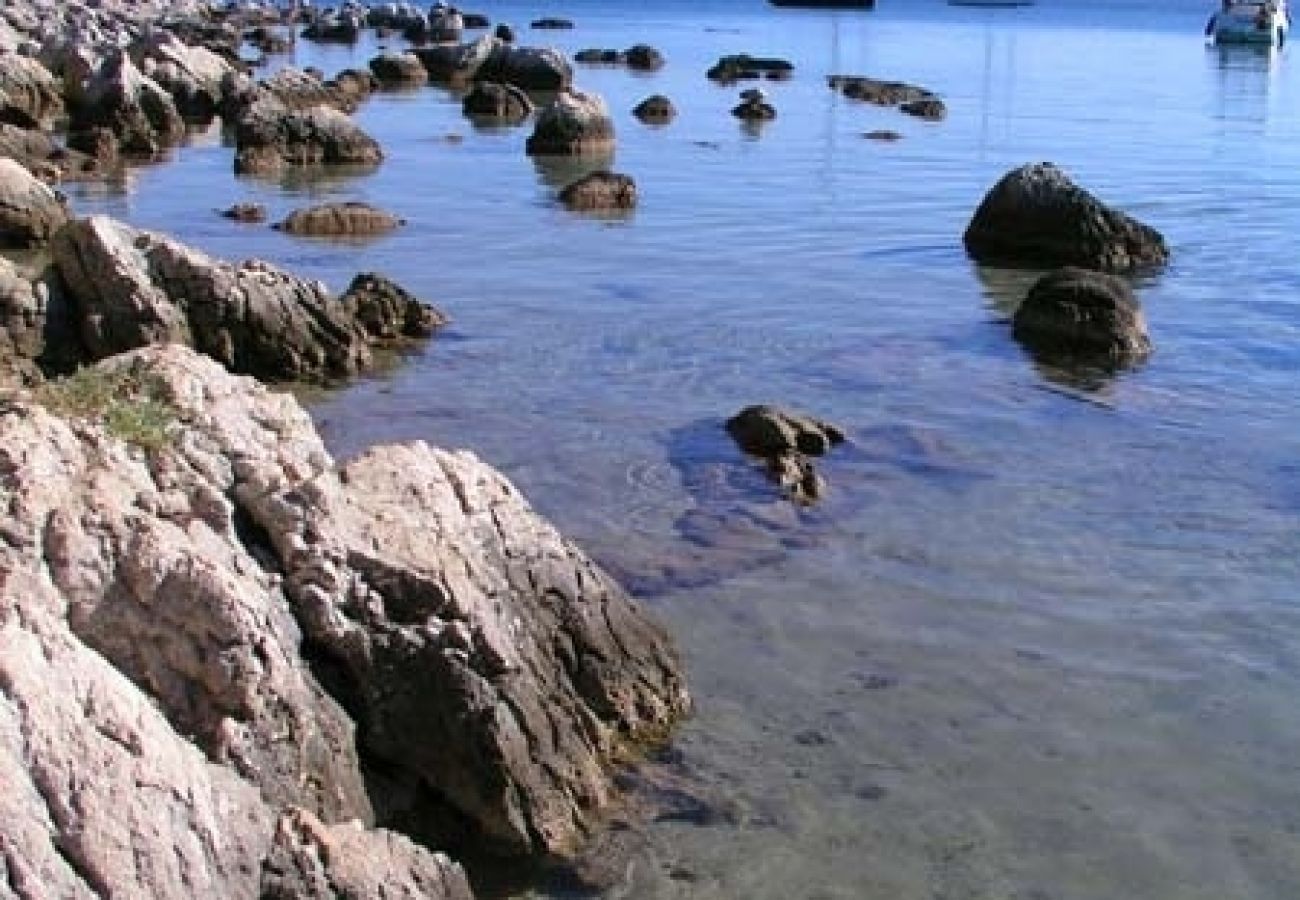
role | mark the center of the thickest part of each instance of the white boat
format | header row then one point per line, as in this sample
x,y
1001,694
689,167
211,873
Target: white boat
x,y
1257,22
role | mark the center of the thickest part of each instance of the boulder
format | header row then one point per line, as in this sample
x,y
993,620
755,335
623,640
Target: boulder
x,y
735,67
30,96
600,191
30,212
498,102
881,93
655,110
132,106
531,68
504,33
574,124
1036,217
1078,315
596,56
399,69
134,288
456,64
161,733
476,20
754,109
195,77
387,311
334,29
552,23
643,58
445,24
784,440
271,137
340,219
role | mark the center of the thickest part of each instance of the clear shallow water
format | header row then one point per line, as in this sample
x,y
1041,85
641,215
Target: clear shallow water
x,y
1041,641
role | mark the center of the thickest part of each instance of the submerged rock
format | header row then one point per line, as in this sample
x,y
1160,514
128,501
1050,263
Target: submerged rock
x,y
600,191
1077,315
740,66
785,440
498,102
1036,217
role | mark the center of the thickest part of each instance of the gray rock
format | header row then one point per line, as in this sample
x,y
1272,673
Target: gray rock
x,y
878,92
929,108
134,288
117,96
457,64
1036,217
643,58
1077,315
195,77
271,137
251,213
531,68
30,212
30,96
349,219
574,124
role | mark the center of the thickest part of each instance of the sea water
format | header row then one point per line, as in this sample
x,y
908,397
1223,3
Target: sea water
x,y
1042,638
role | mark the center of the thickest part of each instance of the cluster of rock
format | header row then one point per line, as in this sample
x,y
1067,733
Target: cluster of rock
x,y
638,58
909,98
753,106
491,59
1082,313
191,635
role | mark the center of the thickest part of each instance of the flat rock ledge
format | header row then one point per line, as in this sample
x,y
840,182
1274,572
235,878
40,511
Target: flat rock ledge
x,y
192,628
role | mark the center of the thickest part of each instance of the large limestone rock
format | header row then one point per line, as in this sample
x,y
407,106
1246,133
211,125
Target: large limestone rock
x,y
160,733
498,672
1036,217
134,288
196,77
573,124
119,97
30,212
29,95
271,137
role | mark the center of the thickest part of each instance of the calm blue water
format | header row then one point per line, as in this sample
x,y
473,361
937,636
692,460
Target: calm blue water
x,y
1043,639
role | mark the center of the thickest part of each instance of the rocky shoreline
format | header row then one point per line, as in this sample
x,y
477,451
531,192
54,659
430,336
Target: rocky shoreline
x,y
230,666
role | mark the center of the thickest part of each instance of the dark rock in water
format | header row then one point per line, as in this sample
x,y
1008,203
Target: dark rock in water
x,y
597,56
404,69
246,212
1036,217
445,24
754,110
931,108
600,191
874,90
784,440
334,30
574,124
340,219
531,68
552,23
476,20
743,66
883,134
655,110
504,33
499,102
1080,315
268,40
388,311
643,58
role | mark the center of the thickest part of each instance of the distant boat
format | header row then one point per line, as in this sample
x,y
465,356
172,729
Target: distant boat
x,y
1259,23
826,4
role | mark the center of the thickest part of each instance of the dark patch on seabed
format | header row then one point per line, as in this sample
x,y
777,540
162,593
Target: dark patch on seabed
x,y
740,521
